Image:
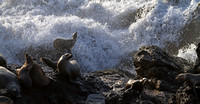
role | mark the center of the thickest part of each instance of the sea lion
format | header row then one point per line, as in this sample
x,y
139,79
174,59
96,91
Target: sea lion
x,y
38,77
24,73
67,68
9,81
190,79
136,85
3,61
65,44
5,100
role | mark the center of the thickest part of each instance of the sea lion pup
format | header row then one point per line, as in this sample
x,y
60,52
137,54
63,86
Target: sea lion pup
x,y
38,77
136,85
65,67
62,44
190,79
3,61
24,73
9,81
5,100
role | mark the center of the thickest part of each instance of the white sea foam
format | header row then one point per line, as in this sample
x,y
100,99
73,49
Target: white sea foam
x,y
188,53
107,31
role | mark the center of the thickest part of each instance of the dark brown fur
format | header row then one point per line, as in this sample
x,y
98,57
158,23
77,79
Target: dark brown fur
x,y
34,75
189,78
67,68
65,44
39,79
9,81
24,73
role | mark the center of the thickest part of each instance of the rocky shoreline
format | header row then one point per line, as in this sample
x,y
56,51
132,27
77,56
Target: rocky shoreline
x,y
108,86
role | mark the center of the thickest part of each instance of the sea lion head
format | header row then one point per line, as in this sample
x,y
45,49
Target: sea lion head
x,y
66,56
144,80
28,59
181,77
23,72
129,84
14,89
23,75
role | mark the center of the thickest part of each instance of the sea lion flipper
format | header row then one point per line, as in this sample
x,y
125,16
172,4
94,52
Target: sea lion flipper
x,y
49,62
74,36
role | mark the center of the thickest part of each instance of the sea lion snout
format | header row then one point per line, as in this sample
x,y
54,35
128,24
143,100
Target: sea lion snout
x,y
181,77
68,55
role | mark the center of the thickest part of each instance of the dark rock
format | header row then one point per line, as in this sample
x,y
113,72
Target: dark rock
x,y
184,95
153,56
161,85
110,83
154,97
3,61
152,62
136,85
197,63
5,100
95,99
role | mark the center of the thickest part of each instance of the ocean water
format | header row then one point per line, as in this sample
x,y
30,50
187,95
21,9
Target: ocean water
x,y
108,30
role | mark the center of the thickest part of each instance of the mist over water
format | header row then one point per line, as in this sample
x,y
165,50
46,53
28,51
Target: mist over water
x,y
108,30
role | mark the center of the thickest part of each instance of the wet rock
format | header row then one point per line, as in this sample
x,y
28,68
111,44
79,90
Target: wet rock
x,y
5,100
153,62
197,63
160,68
95,99
110,83
184,95
3,61
161,85
155,97
152,56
